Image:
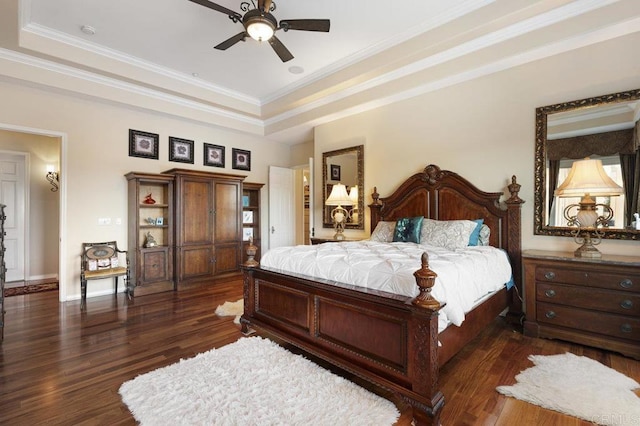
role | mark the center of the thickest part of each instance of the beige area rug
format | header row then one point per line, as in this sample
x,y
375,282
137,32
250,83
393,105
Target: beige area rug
x,y
580,387
252,382
228,309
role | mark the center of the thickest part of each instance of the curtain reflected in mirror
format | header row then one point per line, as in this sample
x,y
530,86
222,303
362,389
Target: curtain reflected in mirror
x,y
605,128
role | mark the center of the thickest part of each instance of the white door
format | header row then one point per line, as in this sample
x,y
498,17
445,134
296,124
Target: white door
x,y
281,207
12,194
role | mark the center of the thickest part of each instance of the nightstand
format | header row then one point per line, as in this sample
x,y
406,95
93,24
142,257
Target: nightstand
x,y
595,302
315,240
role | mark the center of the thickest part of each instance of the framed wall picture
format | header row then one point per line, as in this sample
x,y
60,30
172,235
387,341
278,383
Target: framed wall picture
x,y
143,144
247,217
247,233
159,221
213,155
335,172
180,150
241,159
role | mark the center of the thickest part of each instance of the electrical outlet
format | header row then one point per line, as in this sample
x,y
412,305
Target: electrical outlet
x,y
118,221
104,221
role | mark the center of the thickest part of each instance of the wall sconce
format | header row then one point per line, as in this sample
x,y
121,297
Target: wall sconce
x,y
587,178
339,197
52,177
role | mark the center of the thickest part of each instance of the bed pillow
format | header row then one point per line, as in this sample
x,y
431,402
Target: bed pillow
x,y
475,235
483,237
383,232
449,234
408,229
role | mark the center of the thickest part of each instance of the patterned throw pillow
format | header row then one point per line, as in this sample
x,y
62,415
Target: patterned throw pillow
x,y
483,238
449,234
475,235
383,232
408,229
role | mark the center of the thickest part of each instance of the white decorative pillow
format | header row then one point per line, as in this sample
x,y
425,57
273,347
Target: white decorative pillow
x,y
449,234
383,232
485,233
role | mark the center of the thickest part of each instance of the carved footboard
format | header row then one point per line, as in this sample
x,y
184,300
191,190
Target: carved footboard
x,y
389,340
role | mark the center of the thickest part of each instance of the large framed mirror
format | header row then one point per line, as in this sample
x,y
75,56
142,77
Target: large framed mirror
x,y
604,127
345,166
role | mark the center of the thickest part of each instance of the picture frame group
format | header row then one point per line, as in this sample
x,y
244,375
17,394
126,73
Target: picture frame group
x,y
147,145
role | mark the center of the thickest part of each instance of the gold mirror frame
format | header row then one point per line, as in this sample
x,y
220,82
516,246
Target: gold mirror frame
x,y
326,216
540,194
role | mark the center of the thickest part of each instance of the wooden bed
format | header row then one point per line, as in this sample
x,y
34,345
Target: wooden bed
x,y
390,340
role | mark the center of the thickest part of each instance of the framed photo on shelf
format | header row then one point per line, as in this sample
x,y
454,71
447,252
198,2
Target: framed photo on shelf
x,y
241,159
180,150
213,155
335,172
247,233
143,144
247,217
159,221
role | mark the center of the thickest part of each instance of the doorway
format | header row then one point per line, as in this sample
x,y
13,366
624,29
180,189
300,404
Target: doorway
x,y
40,245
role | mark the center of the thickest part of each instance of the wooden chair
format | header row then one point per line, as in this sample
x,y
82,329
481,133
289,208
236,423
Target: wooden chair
x,y
102,260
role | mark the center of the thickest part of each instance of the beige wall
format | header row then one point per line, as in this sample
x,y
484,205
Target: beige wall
x,y
97,160
42,255
482,129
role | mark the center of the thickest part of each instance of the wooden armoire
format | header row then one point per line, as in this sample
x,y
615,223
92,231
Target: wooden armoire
x,y
208,226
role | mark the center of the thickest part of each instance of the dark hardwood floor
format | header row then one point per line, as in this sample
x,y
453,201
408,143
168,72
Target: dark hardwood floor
x,y
61,366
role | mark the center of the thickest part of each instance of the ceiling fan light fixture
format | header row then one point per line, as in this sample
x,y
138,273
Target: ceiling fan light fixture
x,y
260,29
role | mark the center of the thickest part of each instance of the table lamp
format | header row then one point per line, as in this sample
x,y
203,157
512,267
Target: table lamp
x,y
587,178
339,198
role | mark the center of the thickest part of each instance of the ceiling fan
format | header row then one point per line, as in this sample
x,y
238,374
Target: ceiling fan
x,y
260,25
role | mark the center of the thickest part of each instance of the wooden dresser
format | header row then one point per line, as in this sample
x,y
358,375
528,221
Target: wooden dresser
x,y
595,302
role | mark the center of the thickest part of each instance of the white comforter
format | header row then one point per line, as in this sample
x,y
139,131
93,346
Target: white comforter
x,y
464,276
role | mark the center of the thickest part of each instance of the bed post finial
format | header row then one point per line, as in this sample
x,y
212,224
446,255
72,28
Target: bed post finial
x,y
425,278
376,196
514,189
251,252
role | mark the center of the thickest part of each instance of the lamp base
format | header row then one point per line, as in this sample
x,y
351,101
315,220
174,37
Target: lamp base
x,y
338,236
587,249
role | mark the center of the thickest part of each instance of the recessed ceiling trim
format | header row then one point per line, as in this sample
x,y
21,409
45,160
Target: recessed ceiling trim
x,y
579,41
433,22
41,31
87,76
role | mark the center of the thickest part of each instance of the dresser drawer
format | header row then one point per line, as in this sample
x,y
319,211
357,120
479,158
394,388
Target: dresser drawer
x,y
616,302
597,322
591,278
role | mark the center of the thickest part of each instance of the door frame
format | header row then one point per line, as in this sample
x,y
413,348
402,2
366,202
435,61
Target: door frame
x,y
62,226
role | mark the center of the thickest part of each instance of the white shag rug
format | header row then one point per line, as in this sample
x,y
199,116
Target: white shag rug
x,y
578,386
252,382
228,309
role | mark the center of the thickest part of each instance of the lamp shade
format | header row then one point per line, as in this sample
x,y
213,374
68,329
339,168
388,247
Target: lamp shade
x,y
339,196
353,195
588,177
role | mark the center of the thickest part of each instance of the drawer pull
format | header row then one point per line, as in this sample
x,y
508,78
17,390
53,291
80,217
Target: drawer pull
x,y
551,275
626,304
625,328
626,283
551,315
550,293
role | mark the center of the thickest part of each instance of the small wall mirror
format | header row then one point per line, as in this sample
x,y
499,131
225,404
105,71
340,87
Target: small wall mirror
x,y
606,128
345,166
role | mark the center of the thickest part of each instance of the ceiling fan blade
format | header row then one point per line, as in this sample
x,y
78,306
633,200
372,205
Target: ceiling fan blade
x,y
306,24
232,14
231,41
280,49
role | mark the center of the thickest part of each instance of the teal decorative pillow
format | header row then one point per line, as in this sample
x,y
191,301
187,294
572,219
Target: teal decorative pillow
x,y
475,235
408,229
